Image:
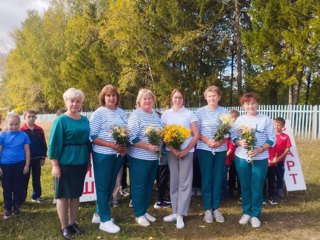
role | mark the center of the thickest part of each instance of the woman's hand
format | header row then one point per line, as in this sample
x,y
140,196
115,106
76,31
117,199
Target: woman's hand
x,y
254,152
182,153
241,143
123,150
214,144
56,172
153,148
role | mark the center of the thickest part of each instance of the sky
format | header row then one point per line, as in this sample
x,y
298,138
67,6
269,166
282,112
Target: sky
x,y
12,14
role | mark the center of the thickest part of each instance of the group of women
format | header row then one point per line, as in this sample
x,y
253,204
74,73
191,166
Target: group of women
x,y
72,136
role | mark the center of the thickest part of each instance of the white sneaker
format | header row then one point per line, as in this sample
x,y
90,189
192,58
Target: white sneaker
x,y
170,218
255,222
95,218
208,218
180,223
109,227
218,216
130,203
142,221
149,217
245,218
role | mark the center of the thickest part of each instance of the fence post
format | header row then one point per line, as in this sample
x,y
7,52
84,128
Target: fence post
x,y
314,122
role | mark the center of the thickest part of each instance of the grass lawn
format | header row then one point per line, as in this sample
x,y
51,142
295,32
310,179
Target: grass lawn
x,y
297,216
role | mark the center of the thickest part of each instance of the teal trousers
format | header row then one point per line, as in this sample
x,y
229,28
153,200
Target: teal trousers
x,y
252,177
106,168
142,176
212,172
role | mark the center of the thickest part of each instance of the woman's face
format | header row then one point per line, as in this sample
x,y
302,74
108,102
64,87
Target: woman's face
x,y
177,100
213,99
110,100
251,107
73,105
147,103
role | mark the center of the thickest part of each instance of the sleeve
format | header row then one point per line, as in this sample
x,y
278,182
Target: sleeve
x,y
26,139
271,136
199,119
164,118
193,117
288,142
44,147
235,135
95,125
134,128
1,139
56,139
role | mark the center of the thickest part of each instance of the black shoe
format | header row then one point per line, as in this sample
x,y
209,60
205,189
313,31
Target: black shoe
x,y
16,212
75,229
66,232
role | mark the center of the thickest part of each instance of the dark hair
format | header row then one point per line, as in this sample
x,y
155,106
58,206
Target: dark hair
x,y
235,112
105,90
248,96
280,120
174,91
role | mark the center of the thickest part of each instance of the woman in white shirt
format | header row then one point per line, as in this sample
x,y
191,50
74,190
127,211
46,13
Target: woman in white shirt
x,y
180,161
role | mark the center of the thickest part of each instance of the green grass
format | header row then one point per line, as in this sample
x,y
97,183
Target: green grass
x,y
297,216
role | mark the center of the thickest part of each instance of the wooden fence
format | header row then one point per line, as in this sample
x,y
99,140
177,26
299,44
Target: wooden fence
x,y
304,119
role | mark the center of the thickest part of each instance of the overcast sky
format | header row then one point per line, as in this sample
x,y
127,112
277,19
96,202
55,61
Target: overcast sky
x,y
12,14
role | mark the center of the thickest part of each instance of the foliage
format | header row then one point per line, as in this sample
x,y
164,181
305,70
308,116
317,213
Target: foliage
x,y
226,122
189,44
120,135
154,135
175,135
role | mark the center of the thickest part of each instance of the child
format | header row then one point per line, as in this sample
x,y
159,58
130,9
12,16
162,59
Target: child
x,y
271,177
15,160
38,152
282,148
163,176
233,177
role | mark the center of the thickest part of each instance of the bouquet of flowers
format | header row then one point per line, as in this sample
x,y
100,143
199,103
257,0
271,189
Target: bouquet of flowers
x,y
247,134
175,135
120,135
226,122
154,135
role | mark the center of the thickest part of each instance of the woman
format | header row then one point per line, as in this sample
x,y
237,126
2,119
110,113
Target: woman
x,y
180,160
107,155
143,159
69,151
211,154
252,164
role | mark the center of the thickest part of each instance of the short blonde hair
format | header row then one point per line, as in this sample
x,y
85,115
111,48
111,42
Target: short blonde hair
x,y
12,115
73,93
212,89
143,92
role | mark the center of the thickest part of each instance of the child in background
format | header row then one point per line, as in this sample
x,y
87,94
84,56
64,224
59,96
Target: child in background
x,y
271,178
232,173
38,153
14,163
282,148
163,176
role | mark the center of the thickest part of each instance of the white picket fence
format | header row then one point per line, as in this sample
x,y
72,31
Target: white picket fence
x,y
304,119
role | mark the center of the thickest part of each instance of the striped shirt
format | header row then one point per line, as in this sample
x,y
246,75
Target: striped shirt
x,y
208,121
101,123
138,123
183,117
264,133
